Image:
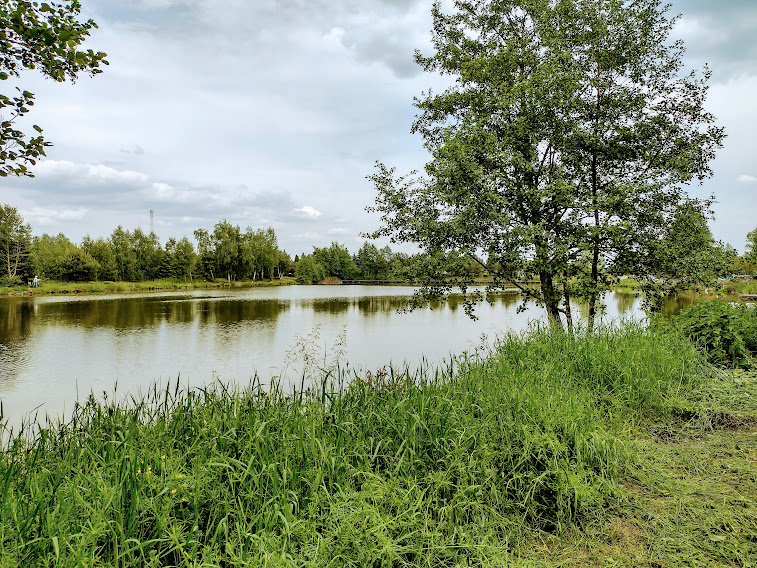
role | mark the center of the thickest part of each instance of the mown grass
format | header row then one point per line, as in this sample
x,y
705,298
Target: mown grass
x,y
527,455
55,287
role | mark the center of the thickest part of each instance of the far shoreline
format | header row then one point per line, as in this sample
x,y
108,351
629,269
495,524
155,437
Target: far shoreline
x,y
66,288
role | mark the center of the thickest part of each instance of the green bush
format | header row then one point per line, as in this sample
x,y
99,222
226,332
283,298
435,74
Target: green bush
x,y
749,288
9,282
727,333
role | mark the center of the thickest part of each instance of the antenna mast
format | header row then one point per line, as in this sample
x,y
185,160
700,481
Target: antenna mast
x,y
152,221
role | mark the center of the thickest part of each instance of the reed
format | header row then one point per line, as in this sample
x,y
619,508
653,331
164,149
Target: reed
x,y
451,467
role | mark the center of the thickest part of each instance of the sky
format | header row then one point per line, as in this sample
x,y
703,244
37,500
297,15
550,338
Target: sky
x,y
273,112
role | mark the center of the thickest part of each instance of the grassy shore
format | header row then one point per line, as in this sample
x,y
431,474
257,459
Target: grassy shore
x,y
623,448
54,287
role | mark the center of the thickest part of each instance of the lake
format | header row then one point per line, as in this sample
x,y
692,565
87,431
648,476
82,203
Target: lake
x,y
54,349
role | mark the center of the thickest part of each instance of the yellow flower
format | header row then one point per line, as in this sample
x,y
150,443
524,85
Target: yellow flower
x,y
173,491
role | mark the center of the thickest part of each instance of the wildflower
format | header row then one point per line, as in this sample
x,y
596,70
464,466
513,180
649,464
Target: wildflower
x,y
173,491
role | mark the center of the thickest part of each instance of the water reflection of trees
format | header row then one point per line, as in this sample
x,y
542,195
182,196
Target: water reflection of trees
x,y
331,306
232,311
386,304
15,320
15,331
126,313
132,313
625,300
675,304
372,305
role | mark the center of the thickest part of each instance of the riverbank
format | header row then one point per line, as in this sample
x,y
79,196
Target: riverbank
x,y
541,452
46,287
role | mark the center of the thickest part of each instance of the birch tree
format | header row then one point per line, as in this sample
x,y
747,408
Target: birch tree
x,y
560,151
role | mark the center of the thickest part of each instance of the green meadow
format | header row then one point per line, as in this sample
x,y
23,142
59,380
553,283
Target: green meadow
x,y
620,448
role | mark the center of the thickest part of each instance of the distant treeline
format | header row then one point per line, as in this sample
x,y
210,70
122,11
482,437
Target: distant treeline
x,y
225,252
229,253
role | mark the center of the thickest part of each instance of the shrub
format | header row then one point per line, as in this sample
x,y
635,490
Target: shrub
x,y
9,282
727,333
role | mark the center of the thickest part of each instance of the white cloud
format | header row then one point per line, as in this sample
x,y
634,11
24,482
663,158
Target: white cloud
x,y
73,214
85,174
308,237
335,34
747,179
45,217
309,211
246,110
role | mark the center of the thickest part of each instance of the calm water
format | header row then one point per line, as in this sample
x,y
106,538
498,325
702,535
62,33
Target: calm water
x,y
53,348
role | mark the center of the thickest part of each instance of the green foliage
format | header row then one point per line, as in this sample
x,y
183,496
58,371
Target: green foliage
x,y
125,256
744,265
78,266
260,253
11,282
231,254
750,250
337,262
226,239
46,255
559,151
15,241
103,253
284,264
148,255
685,256
44,36
307,270
373,263
455,468
727,333
182,258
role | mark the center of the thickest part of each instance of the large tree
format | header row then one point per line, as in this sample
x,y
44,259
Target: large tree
x,y
687,255
15,241
337,261
46,255
102,251
560,151
45,36
750,250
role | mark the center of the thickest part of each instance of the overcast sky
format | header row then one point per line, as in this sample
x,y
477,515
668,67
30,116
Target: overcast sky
x,y
272,112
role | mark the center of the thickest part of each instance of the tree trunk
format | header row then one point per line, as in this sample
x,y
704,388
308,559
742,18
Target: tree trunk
x,y
595,247
568,313
551,300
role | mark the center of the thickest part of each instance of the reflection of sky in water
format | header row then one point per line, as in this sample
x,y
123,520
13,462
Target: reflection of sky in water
x,y
54,349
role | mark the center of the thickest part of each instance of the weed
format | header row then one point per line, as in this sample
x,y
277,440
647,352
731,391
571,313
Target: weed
x,y
727,333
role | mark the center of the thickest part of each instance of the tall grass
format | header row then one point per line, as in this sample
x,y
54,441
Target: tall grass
x,y
448,468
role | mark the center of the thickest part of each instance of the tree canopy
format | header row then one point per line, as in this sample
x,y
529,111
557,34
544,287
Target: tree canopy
x,y
561,150
45,36
750,249
15,239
